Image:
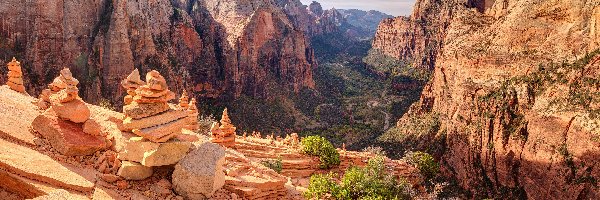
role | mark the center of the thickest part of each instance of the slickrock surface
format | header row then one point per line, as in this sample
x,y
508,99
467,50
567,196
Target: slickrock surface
x,y
31,164
200,173
14,104
15,76
251,180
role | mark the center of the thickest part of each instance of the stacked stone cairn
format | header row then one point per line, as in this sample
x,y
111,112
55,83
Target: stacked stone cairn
x,y
65,121
223,134
155,122
15,76
190,107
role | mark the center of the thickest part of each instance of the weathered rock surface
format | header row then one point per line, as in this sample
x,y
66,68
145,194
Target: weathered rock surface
x,y
34,165
408,39
154,154
134,171
67,137
199,174
172,37
507,138
14,104
223,134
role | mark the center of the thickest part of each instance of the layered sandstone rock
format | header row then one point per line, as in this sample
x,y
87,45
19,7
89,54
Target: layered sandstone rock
x,y
200,173
223,134
500,134
193,114
15,76
411,40
163,35
149,115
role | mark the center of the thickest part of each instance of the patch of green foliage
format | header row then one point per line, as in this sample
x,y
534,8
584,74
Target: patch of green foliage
x,y
427,166
425,124
274,164
319,146
369,182
393,67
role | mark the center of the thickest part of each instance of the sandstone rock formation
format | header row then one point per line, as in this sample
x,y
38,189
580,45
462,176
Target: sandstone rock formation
x,y
502,133
104,40
408,39
15,76
134,171
200,173
62,124
193,113
223,134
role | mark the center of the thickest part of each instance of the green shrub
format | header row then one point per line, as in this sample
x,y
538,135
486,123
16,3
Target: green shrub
x,y
274,164
319,146
370,182
424,162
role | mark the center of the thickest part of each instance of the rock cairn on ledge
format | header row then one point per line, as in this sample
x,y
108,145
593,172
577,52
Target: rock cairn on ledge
x,y
149,115
15,76
158,123
192,110
66,122
132,83
223,134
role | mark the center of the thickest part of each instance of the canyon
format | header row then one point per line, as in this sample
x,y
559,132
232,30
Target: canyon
x,y
503,96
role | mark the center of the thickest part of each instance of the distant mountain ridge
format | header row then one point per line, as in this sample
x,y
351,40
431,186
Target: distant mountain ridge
x,y
367,20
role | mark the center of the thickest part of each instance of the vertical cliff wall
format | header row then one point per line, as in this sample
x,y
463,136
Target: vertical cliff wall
x,y
514,89
214,48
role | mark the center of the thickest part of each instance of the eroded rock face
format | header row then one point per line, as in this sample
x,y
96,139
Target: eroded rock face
x,y
200,43
411,40
499,138
200,173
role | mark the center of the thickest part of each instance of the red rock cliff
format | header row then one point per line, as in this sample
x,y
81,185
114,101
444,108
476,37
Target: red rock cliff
x,y
214,48
505,129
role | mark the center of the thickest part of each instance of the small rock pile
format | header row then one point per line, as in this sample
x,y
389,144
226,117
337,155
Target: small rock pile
x,y
157,123
65,121
15,76
223,134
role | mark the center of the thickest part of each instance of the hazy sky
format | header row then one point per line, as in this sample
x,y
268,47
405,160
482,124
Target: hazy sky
x,y
392,7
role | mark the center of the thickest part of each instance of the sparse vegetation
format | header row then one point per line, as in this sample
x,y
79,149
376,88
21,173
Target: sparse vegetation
x,y
274,164
319,146
427,166
369,182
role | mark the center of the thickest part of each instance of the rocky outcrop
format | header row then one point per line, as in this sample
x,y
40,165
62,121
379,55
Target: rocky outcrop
x,y
510,120
416,39
213,48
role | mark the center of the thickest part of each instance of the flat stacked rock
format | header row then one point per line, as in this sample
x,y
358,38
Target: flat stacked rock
x,y
15,76
64,118
132,83
225,133
148,115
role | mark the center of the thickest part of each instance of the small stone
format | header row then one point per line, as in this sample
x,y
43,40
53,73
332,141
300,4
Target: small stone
x,y
154,154
93,128
122,184
134,171
110,178
75,111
